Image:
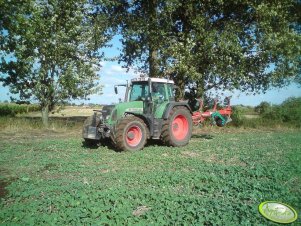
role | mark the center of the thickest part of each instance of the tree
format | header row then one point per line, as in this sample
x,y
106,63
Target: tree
x,y
217,44
50,49
263,108
141,34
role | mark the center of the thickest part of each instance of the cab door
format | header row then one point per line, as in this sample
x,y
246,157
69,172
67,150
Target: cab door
x,y
162,94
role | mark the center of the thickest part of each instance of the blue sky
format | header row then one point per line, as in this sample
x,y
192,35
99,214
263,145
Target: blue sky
x,y
112,73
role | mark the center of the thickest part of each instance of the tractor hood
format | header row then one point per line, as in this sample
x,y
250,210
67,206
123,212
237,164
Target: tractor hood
x,y
121,108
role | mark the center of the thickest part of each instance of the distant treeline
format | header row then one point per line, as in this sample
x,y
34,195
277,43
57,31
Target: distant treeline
x,y
11,109
288,113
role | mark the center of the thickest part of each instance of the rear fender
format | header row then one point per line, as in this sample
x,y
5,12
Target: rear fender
x,y
171,105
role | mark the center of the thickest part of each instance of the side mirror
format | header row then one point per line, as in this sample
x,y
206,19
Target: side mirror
x,y
116,90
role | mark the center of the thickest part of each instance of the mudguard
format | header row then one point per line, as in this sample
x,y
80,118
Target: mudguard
x,y
171,105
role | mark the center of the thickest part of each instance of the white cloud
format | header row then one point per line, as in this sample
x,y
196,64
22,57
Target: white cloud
x,y
109,80
113,74
103,63
117,69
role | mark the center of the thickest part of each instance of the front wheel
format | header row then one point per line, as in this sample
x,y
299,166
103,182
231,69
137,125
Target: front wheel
x,y
131,134
177,130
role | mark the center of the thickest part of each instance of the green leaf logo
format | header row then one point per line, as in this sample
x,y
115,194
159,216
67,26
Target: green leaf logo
x,y
278,212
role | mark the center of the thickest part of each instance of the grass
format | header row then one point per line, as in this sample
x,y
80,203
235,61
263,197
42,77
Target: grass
x,y
13,125
220,178
68,111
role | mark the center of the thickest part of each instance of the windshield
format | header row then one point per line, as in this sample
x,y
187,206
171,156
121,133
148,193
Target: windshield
x,y
139,91
162,90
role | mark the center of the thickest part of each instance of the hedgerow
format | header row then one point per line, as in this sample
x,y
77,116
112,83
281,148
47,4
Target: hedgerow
x,y
11,109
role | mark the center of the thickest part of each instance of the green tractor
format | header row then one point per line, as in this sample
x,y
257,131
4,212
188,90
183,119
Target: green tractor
x,y
149,111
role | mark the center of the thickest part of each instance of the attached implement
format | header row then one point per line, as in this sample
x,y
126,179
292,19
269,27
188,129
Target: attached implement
x,y
218,117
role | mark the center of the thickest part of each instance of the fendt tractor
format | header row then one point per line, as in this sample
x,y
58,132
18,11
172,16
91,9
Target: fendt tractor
x,y
149,111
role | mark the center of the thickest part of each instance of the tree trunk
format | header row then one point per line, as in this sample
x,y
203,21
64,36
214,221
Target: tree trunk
x,y
181,84
153,65
201,88
45,116
153,49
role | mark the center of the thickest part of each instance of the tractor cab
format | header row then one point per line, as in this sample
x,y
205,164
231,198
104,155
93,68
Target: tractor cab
x,y
155,88
148,95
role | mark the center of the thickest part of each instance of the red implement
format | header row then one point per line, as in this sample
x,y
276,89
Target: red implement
x,y
198,117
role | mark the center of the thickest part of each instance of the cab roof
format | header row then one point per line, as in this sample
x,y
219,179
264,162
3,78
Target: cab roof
x,y
144,79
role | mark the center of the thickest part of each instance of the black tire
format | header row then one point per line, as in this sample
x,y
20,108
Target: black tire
x,y
171,135
91,121
218,122
131,134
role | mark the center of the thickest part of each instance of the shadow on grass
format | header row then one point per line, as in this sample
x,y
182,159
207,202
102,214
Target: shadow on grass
x,y
4,182
203,136
88,145
3,185
152,142
92,144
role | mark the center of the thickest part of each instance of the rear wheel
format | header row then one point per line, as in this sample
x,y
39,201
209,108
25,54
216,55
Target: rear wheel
x,y
178,128
131,134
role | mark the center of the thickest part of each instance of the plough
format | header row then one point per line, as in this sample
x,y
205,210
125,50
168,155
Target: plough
x,y
218,117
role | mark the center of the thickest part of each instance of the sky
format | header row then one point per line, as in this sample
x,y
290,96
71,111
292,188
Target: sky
x,y
113,73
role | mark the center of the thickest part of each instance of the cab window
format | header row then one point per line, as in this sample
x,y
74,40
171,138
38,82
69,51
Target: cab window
x,y
158,90
139,91
170,91
162,90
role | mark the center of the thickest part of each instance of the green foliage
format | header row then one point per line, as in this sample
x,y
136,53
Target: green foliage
x,y
263,107
7,109
216,181
290,110
237,116
214,44
57,56
287,112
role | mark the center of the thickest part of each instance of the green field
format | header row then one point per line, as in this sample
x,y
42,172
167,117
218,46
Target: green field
x,y
220,178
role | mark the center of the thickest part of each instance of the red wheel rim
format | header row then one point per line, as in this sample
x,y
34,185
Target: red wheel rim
x,y
180,127
133,136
